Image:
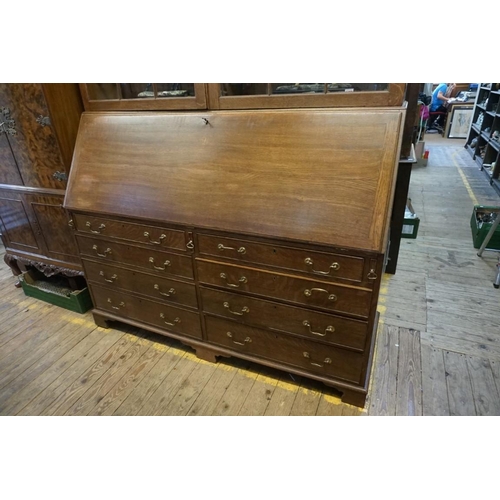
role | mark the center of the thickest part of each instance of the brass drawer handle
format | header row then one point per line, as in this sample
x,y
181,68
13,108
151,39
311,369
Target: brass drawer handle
x,y
166,264
308,292
176,320
190,245
327,361
148,236
241,280
109,280
244,310
122,304
246,341
334,267
241,250
108,250
95,231
165,294
328,329
71,224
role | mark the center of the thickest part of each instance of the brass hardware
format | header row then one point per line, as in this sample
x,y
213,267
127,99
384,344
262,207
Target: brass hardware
x,y
241,280
95,231
176,320
59,176
108,250
43,120
71,224
328,329
246,341
190,245
122,304
109,280
308,293
162,237
166,294
327,361
166,264
334,267
241,250
372,275
7,126
244,310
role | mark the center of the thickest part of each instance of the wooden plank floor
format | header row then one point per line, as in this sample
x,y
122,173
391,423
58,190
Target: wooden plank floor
x,y
437,350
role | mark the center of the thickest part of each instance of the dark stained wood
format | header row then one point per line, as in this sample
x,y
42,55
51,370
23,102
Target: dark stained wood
x,y
312,356
411,98
336,298
161,289
267,314
158,237
392,97
334,267
9,173
168,264
295,179
122,304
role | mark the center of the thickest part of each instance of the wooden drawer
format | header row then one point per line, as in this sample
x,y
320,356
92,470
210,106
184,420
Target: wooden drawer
x,y
311,356
164,316
160,237
159,262
326,266
158,288
313,293
305,322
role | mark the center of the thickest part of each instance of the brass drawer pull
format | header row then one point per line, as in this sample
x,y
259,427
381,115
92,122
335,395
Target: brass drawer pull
x,y
166,264
308,292
71,224
148,236
246,341
95,231
327,361
241,250
372,275
110,280
176,320
190,245
244,310
334,267
122,304
241,280
108,250
165,294
328,329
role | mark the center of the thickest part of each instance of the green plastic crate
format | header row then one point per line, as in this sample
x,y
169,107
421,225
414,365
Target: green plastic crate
x,y
479,233
56,293
410,222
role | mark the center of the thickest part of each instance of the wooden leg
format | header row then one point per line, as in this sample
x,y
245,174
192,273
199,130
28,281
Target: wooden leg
x,y
206,354
354,398
12,263
100,320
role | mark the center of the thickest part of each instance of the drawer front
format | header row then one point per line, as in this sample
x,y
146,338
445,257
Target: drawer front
x,y
148,235
164,316
315,264
311,356
163,289
310,324
274,285
162,263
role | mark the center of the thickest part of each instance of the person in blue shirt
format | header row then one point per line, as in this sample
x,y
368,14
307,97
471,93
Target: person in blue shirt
x,y
440,97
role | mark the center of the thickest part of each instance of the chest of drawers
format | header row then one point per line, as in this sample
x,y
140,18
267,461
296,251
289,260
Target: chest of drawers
x,y
260,234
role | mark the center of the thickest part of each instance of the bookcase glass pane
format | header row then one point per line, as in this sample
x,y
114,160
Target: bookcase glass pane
x,y
228,89
175,90
297,88
102,91
357,87
137,90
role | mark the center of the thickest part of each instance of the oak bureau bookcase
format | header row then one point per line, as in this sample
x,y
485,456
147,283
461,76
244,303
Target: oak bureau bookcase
x,y
256,233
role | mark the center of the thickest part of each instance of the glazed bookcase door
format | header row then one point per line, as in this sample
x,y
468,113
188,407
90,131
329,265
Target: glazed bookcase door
x,y
304,95
34,144
143,96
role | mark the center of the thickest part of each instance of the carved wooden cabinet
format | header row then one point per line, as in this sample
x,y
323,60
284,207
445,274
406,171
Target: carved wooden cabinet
x,y
39,124
258,234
